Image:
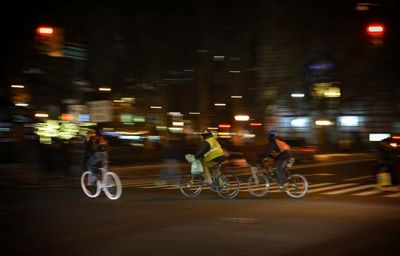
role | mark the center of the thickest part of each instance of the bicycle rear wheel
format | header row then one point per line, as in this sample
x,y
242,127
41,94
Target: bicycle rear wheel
x,y
91,186
297,186
228,186
258,186
112,185
191,185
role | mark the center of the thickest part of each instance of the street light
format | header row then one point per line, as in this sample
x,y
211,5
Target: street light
x,y
18,86
242,118
220,104
323,122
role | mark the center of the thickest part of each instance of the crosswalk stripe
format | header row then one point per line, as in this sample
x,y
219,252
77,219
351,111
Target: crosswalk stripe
x,y
331,187
274,188
359,178
159,186
138,183
368,193
347,190
320,184
393,195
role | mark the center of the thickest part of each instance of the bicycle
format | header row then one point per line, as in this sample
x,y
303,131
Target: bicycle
x,y
226,185
259,182
102,180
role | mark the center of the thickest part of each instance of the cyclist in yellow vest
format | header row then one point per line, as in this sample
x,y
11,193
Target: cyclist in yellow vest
x,y
280,152
210,154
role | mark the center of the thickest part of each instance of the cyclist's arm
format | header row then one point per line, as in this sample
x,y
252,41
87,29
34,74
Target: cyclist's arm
x,y
205,147
268,152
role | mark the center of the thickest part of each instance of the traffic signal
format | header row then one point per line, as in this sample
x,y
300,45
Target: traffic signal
x,y
45,31
376,32
376,29
50,40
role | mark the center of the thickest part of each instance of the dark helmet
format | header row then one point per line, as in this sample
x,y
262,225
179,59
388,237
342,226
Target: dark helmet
x,y
94,130
206,133
272,133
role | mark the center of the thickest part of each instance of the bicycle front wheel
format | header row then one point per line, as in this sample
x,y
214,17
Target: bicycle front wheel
x,y
297,186
228,186
258,186
191,185
90,184
112,185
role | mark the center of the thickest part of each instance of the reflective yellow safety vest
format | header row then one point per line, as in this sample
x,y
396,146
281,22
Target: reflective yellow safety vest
x,y
215,150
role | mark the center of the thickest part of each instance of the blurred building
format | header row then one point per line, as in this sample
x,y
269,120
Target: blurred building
x,y
320,76
307,69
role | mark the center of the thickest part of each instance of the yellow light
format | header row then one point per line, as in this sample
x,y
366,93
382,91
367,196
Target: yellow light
x,y
332,93
177,123
323,122
219,104
155,107
19,86
175,129
242,118
41,115
194,113
236,97
105,89
21,104
224,134
393,144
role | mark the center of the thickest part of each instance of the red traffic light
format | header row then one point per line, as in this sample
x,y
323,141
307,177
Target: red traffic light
x,y
45,31
376,29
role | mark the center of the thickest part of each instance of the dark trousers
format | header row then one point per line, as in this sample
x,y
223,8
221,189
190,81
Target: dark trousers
x,y
280,170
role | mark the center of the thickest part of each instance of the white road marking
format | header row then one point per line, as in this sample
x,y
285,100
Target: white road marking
x,y
368,193
359,178
331,187
347,190
393,195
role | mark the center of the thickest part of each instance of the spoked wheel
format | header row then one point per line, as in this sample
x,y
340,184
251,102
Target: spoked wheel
x,y
112,185
258,186
228,186
297,186
90,184
191,185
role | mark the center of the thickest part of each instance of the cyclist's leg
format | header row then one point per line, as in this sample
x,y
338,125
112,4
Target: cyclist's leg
x,y
280,171
206,172
212,166
254,172
89,166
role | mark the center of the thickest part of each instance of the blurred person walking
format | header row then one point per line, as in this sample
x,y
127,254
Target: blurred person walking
x,y
387,162
171,152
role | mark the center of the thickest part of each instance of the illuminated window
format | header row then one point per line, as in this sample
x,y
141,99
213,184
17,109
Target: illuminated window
x,y
349,120
326,90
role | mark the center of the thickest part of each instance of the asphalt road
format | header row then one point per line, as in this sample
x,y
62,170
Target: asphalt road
x,y
151,219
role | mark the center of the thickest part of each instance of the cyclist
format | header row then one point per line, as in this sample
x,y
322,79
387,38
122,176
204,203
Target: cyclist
x,y
280,152
95,150
210,154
